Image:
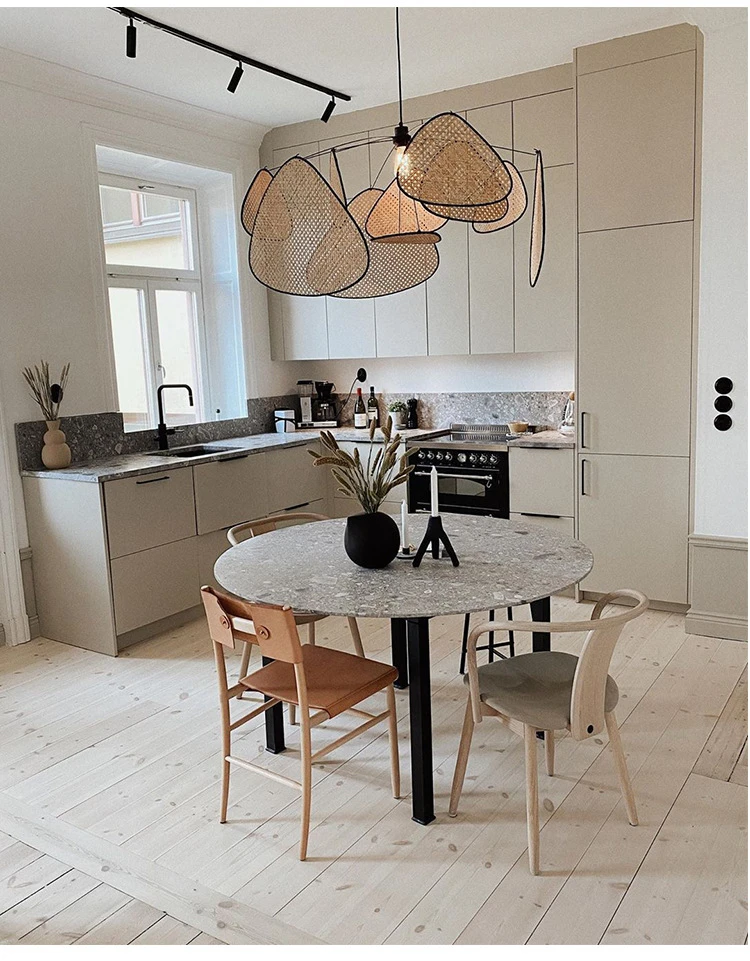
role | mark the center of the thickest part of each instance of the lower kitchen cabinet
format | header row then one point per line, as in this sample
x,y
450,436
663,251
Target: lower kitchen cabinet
x,y
541,481
293,480
633,515
146,511
230,491
553,522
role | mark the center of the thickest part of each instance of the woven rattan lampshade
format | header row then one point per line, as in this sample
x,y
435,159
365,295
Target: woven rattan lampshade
x,y
536,252
449,164
393,267
516,201
482,213
397,219
304,240
253,197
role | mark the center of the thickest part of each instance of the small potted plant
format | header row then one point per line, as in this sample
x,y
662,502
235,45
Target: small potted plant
x,y
397,410
55,453
372,538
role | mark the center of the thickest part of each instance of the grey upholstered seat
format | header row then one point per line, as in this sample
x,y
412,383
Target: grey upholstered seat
x,y
535,688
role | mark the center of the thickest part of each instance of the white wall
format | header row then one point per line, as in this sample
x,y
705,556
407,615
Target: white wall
x,y
721,458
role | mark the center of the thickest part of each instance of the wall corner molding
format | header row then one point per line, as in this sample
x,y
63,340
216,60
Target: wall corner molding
x,y
718,587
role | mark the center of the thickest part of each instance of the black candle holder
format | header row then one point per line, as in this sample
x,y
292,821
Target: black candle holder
x,y
434,536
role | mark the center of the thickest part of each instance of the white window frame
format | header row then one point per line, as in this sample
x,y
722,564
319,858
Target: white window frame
x,y
149,280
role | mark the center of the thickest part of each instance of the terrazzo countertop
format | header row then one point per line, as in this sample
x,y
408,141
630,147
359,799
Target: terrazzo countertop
x,y
134,465
551,439
503,563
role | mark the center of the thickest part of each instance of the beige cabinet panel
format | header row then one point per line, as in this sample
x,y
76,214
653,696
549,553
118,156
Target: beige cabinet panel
x,y
276,324
545,315
495,124
401,323
634,337
633,516
448,294
293,479
635,143
305,327
541,481
228,492
152,509
210,548
565,525
153,584
546,123
491,292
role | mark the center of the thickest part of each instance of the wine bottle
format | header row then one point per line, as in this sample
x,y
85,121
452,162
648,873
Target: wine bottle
x,y
360,412
373,412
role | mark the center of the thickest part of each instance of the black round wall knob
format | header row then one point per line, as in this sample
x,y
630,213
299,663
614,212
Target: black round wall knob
x,y
724,385
723,403
722,422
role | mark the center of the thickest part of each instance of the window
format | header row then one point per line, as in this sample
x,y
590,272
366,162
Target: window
x,y
155,298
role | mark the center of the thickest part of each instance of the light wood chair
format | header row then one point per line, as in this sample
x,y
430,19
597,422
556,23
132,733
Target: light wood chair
x,y
327,681
265,525
549,691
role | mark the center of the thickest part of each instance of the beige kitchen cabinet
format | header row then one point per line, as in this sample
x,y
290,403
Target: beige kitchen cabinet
x,y
276,324
636,126
564,525
154,584
293,480
230,491
634,340
491,292
545,315
152,509
541,481
401,323
633,515
547,123
448,294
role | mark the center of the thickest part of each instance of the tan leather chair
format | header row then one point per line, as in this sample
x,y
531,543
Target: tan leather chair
x,y
328,682
550,691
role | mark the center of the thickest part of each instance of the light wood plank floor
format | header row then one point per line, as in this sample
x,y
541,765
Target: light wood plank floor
x,y
109,799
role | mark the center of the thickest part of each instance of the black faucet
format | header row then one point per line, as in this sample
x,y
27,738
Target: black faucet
x,y
162,430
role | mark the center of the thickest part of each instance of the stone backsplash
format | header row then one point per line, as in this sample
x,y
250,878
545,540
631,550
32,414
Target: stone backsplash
x,y
93,436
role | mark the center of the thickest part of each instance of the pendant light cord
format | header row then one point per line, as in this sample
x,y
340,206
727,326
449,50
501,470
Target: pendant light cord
x,y
398,59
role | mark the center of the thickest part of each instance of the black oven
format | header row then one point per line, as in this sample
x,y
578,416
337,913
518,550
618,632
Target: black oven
x,y
469,482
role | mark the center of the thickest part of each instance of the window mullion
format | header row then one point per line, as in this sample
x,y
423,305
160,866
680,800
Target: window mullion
x,y
154,370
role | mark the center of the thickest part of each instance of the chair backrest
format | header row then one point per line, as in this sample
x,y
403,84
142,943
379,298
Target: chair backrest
x,y
222,613
276,631
590,681
264,525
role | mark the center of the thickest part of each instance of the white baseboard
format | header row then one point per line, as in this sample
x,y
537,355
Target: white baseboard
x,y
718,587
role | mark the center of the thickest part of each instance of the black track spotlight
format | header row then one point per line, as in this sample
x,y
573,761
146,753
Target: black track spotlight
x,y
130,40
236,77
330,107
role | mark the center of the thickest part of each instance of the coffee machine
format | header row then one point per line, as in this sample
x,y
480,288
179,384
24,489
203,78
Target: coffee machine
x,y
323,405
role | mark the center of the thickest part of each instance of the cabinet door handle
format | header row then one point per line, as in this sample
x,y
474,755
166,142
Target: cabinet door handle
x,y
528,514
584,492
296,507
153,480
582,439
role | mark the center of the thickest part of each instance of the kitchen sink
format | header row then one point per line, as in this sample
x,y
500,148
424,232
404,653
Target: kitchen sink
x,y
197,450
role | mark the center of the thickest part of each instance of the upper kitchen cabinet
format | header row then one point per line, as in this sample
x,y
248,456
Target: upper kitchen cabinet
x,y
351,322
546,123
448,293
634,340
636,127
545,315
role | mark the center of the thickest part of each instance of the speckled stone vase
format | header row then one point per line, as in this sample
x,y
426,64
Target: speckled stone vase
x,y
55,453
371,540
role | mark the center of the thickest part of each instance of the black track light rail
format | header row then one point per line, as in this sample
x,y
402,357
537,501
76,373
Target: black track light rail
x,y
230,54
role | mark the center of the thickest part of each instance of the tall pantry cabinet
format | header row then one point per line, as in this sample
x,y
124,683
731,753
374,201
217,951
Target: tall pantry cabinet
x,y
638,136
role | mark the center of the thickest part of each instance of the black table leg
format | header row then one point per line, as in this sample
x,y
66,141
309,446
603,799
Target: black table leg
x,y
540,611
274,724
398,652
420,717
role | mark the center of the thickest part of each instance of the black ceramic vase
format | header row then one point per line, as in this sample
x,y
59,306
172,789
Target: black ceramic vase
x,y
371,540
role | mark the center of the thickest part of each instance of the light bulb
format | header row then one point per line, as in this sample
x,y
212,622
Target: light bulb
x,y
400,161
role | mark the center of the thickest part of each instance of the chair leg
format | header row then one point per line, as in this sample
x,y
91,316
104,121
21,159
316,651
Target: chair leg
x,y
393,741
461,760
464,644
311,633
244,664
511,635
292,713
491,652
532,797
549,752
306,784
225,770
356,636
622,769
226,749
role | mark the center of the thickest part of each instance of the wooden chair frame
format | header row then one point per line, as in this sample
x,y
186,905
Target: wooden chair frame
x,y
587,714
229,620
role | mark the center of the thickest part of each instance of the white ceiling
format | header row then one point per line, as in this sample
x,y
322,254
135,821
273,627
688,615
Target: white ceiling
x,y
347,48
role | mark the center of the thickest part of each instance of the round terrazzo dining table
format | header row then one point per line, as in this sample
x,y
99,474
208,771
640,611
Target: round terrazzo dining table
x,y
502,563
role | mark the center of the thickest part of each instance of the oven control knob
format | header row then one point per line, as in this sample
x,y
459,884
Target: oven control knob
x,y
462,458
439,455
472,458
448,455
482,458
420,455
430,455
493,458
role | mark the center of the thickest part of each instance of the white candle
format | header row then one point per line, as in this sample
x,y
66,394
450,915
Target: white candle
x,y
434,492
404,527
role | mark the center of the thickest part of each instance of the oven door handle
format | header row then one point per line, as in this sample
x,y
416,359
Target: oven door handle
x,y
477,477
